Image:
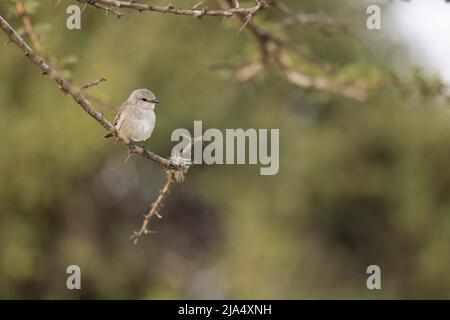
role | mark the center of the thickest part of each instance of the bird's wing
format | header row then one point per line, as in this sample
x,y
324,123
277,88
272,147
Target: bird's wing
x,y
118,120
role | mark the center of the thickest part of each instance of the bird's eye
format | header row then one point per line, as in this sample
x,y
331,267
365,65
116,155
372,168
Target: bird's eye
x,y
145,99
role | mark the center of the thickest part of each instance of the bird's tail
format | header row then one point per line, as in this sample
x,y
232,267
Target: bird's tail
x,y
109,135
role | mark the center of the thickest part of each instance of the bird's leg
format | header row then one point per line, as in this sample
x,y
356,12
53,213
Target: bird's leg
x,y
130,146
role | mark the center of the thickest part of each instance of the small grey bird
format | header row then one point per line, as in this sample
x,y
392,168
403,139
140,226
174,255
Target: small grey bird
x,y
136,117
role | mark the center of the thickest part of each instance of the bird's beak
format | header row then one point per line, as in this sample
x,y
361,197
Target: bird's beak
x,y
156,101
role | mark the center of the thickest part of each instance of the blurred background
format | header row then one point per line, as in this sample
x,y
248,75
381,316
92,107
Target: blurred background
x,y
360,182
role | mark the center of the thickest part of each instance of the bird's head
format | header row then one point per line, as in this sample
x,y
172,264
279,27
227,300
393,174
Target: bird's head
x,y
143,97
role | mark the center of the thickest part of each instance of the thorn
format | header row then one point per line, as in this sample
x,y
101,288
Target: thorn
x,y
198,5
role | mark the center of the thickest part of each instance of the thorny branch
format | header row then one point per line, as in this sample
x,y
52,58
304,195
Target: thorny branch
x,y
102,7
172,175
154,207
195,12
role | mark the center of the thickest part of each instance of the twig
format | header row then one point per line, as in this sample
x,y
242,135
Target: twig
x,y
80,99
93,83
28,26
107,9
197,5
154,207
249,16
172,10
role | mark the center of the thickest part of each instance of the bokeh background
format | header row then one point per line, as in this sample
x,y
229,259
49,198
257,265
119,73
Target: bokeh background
x,y
360,183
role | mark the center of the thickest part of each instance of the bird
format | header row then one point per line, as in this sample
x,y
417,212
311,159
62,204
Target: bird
x,y
136,118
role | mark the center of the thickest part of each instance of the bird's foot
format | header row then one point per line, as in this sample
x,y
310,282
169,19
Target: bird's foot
x,y
130,146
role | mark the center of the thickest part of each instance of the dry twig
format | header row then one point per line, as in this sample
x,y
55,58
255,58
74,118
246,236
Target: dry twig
x,y
154,207
28,26
93,83
172,10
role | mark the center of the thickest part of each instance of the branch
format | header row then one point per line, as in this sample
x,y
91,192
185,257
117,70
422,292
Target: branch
x,y
81,100
93,83
154,207
198,13
102,7
28,26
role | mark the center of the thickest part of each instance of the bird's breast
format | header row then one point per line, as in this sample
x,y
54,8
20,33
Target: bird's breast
x,y
141,126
